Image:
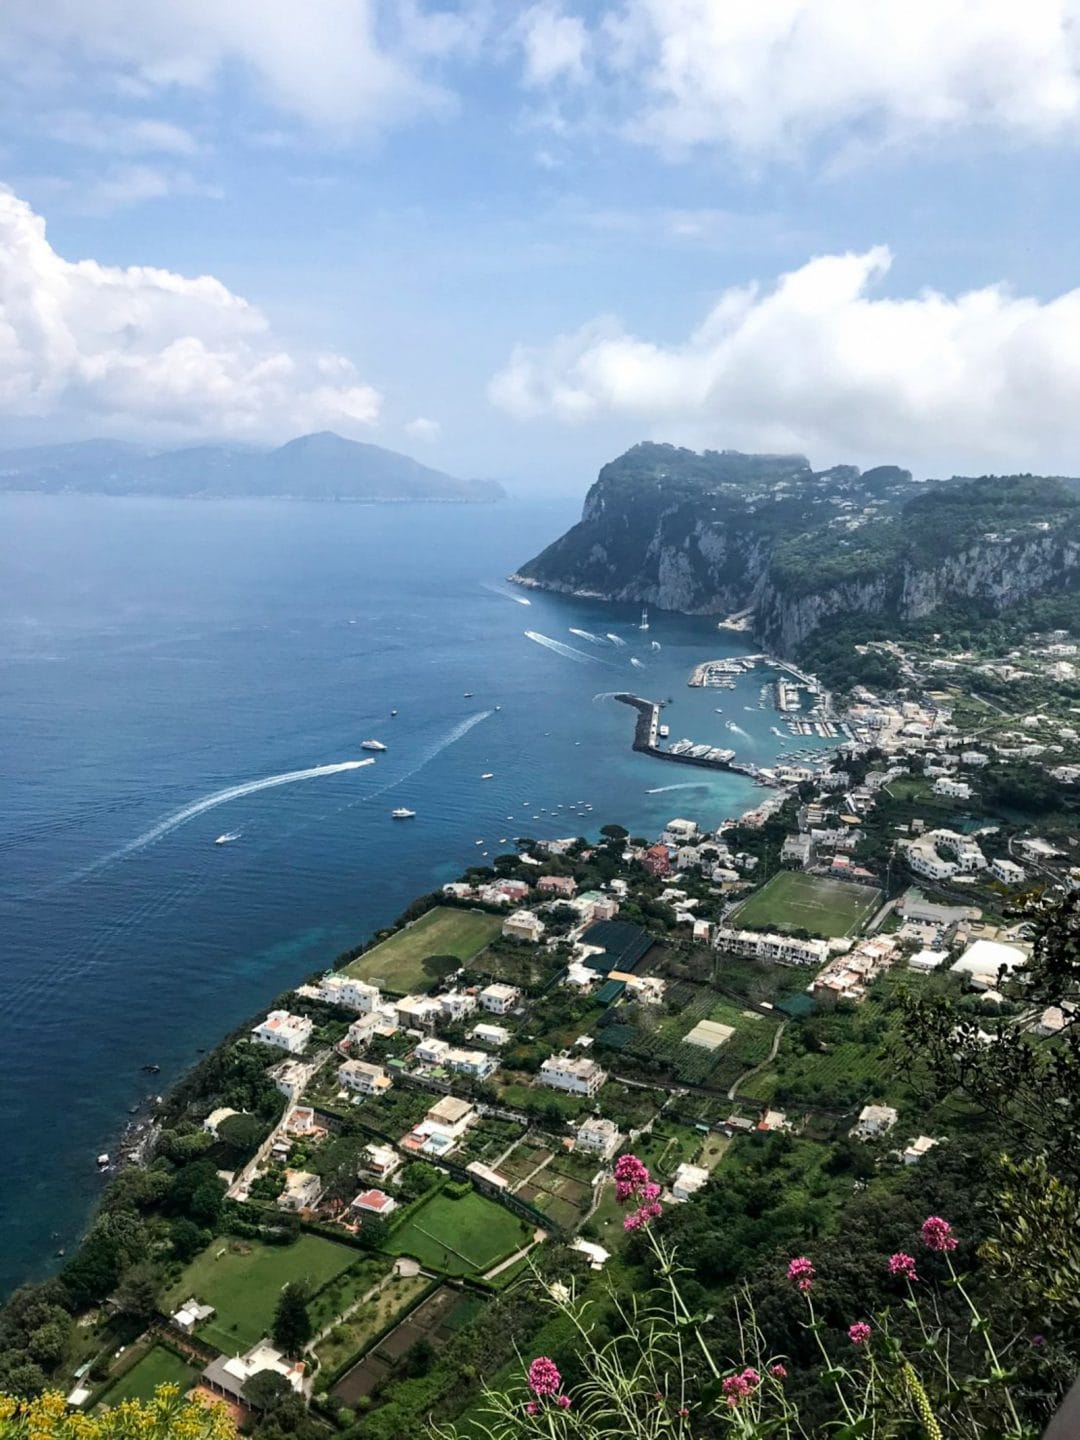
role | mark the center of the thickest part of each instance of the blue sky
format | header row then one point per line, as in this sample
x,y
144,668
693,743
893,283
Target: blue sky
x,y
513,239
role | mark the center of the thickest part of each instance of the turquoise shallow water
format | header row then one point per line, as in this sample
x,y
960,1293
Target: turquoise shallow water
x,y
157,655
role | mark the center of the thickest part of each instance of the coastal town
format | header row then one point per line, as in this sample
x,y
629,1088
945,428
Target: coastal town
x,y
407,1135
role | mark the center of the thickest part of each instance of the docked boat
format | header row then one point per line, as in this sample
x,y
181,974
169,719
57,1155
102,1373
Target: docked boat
x,y
402,814
372,745
228,837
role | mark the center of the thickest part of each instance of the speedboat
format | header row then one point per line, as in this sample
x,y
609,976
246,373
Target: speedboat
x,y
372,745
402,814
468,694
228,837
393,712
488,775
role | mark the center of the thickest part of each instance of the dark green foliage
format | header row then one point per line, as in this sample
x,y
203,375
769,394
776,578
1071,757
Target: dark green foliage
x,y
266,1390
292,1323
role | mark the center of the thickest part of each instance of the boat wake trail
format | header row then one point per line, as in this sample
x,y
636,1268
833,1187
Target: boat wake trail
x,y
587,635
686,785
639,663
506,595
426,756
211,802
561,649
738,730
615,640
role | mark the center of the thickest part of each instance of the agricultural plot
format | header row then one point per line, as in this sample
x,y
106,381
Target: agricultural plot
x,y
436,1320
401,964
242,1279
792,900
459,1235
564,1198
350,1338
158,1366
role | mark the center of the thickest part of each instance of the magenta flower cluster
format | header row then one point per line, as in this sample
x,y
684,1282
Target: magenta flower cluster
x,y
859,1333
740,1387
633,1182
801,1273
903,1265
778,1371
937,1234
544,1377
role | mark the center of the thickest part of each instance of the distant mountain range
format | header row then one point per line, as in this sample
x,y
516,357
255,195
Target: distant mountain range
x,y
313,467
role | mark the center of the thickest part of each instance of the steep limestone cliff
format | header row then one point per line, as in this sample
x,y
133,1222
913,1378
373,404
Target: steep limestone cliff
x,y
721,533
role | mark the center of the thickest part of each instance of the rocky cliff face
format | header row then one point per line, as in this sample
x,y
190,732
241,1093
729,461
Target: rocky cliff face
x,y
721,533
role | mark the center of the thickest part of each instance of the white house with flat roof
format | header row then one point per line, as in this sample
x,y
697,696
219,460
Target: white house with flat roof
x,y
874,1120
523,925
363,1078
687,1181
301,1192
456,1005
349,993
598,1136
285,1031
418,1012
577,1075
379,1162
490,1034
499,999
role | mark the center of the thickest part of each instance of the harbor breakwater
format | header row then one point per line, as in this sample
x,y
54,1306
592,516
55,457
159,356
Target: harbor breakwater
x,y
646,735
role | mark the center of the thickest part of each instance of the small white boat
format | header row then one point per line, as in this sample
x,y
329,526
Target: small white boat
x,y
103,1162
488,775
228,837
372,745
402,814
393,712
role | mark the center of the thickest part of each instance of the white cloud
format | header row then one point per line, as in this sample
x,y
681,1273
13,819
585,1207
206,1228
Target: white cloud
x,y
138,350
554,44
772,78
341,64
819,363
424,429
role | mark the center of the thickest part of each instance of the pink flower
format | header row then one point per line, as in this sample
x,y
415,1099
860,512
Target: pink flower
x,y
778,1371
651,1191
801,1273
544,1377
532,1408
637,1219
563,1401
740,1387
902,1265
859,1333
631,1179
937,1234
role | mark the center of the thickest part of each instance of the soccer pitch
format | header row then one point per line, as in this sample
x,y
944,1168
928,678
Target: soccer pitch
x,y
794,901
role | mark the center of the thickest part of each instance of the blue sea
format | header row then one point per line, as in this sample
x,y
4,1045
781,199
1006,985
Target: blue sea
x,y
159,658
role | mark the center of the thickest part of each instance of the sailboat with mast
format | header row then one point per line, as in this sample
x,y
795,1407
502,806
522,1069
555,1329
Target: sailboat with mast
x,y
644,618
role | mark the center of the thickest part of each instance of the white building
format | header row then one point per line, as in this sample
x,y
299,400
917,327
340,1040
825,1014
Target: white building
x,y
363,1028
476,1064
216,1118
418,1012
291,1078
982,962
874,1120
927,960
490,1034
379,1161
679,830
955,789
914,1152
432,1051
364,1078
499,999
285,1031
1008,872
350,994
577,1076
688,1181
523,925
301,1192
598,1136
456,1005
779,949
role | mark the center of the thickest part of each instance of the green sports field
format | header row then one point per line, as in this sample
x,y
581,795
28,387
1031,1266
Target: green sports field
x,y
794,901
398,963
242,1279
157,1367
459,1236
